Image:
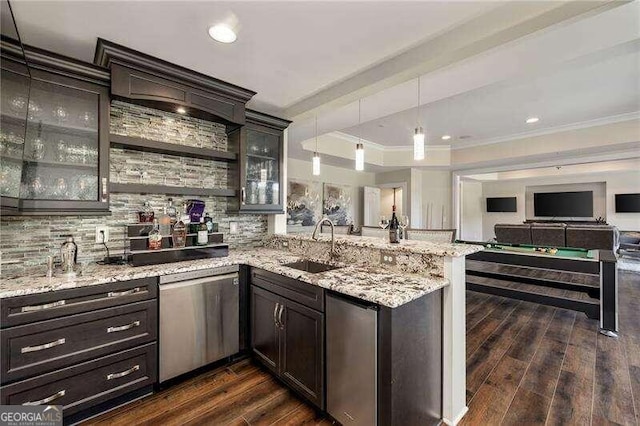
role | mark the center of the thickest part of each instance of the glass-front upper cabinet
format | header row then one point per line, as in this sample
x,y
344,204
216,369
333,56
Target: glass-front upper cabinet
x,y
66,149
261,160
14,98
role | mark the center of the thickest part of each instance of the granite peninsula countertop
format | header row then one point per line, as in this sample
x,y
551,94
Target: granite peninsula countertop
x,y
372,284
406,246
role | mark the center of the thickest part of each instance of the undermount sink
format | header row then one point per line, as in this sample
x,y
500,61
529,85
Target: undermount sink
x,y
311,266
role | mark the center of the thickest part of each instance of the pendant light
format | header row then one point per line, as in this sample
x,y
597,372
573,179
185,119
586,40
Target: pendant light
x,y
316,156
418,136
359,145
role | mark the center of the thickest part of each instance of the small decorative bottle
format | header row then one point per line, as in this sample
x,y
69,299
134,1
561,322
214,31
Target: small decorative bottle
x,y
165,224
155,239
209,222
146,214
172,211
203,234
179,234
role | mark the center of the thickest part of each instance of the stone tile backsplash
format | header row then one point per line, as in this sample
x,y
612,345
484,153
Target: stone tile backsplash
x,y
25,242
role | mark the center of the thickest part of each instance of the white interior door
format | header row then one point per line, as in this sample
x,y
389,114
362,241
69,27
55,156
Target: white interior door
x,y
371,206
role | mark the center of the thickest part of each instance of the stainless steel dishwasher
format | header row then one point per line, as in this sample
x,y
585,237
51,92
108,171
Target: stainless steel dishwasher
x,y
199,319
352,346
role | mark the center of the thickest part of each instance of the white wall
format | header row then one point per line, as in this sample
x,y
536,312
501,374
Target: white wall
x,y
472,211
436,199
616,183
299,169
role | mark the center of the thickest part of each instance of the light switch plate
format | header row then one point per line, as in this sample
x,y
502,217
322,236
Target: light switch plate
x,y
99,235
233,227
387,258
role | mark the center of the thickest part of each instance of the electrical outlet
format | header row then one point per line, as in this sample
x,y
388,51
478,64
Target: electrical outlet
x,y
387,258
99,239
233,227
285,244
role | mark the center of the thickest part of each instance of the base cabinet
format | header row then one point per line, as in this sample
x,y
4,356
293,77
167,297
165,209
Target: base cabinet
x,y
59,349
288,338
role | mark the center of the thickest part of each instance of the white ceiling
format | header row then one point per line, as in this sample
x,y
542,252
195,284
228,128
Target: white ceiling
x,y
285,51
604,84
484,66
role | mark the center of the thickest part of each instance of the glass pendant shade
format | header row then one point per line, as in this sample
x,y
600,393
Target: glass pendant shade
x,y
316,164
418,144
359,157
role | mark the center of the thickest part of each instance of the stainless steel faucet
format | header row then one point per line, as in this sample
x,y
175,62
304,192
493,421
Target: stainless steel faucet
x,y
333,239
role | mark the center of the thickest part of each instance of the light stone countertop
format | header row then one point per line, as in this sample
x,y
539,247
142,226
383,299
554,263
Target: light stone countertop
x,y
406,246
371,284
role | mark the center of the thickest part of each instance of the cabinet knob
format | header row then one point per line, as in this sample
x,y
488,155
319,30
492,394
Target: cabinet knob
x,y
243,195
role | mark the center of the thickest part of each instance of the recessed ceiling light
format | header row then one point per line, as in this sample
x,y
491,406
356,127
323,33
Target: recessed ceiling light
x,y
181,110
446,137
222,33
532,120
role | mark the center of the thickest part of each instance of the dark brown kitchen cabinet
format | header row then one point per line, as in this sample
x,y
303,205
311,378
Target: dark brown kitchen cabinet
x,y
264,327
302,350
260,143
288,338
64,160
88,349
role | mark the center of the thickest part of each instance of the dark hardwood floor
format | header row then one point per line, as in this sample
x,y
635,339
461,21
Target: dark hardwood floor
x,y
526,364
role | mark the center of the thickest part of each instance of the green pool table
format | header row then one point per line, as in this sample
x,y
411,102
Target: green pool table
x,y
567,252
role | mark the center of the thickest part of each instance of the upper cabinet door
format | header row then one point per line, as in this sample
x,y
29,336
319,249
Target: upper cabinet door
x,y
261,169
65,161
14,98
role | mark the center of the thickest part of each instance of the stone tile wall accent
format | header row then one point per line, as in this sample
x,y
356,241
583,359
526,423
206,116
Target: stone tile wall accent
x,y
25,242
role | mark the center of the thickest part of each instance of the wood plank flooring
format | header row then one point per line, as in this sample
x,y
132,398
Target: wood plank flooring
x,y
526,364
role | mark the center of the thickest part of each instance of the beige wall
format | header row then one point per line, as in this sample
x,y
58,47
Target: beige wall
x,y
472,211
436,199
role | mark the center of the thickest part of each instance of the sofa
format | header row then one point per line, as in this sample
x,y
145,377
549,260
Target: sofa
x,y
588,236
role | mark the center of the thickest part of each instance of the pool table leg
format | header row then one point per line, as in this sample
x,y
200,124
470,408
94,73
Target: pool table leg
x,y
608,294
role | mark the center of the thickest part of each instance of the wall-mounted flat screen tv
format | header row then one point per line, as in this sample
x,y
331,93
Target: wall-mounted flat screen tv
x,y
563,204
627,203
502,204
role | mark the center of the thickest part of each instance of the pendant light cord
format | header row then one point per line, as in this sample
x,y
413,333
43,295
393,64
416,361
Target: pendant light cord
x,y
418,113
316,134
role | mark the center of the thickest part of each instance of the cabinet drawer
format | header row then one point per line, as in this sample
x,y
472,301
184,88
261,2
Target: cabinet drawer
x,y
43,306
84,385
303,293
41,347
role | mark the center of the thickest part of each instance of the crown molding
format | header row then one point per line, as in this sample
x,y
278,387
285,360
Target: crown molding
x,y
550,130
384,148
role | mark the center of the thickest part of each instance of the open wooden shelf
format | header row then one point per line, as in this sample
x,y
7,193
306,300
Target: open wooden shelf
x,y
149,145
140,188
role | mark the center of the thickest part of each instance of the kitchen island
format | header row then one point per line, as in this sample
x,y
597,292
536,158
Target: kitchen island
x,y
413,276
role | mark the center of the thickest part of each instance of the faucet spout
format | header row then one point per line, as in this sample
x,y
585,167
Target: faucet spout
x,y
314,236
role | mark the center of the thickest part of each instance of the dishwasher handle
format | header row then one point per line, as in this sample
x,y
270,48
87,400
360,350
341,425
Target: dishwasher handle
x,y
200,281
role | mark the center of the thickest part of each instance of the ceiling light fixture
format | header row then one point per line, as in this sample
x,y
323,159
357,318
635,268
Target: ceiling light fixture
x,y
316,156
181,110
446,137
532,120
418,135
359,145
222,33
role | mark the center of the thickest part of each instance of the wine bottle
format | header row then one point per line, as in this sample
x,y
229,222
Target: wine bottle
x,y
203,234
394,227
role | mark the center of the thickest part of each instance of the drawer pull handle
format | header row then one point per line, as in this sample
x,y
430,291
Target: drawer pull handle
x,y
58,342
47,399
41,307
123,373
123,327
123,293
